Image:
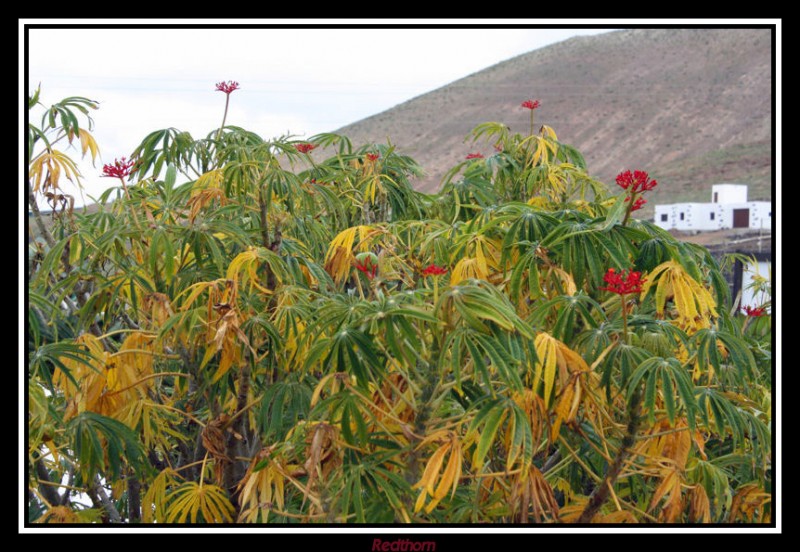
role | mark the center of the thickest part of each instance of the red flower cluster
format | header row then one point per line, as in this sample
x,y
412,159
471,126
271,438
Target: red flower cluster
x,y
623,283
638,204
757,311
636,181
227,87
531,104
120,169
305,147
373,156
475,156
369,269
434,270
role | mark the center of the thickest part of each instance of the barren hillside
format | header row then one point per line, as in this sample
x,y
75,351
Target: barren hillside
x,y
693,107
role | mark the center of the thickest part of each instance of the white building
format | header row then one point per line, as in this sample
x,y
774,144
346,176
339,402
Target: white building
x,y
729,208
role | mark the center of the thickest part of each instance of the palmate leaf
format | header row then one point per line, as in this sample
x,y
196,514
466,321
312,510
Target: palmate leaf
x,y
262,487
715,480
245,266
52,356
506,417
695,306
586,253
88,143
191,499
154,501
283,405
340,256
715,347
348,350
329,139
570,314
163,147
653,252
47,169
448,479
100,443
554,358
727,413
674,382
382,482
476,300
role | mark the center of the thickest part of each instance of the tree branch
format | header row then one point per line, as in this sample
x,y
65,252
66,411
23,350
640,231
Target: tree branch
x,y
134,499
602,491
37,217
49,492
100,500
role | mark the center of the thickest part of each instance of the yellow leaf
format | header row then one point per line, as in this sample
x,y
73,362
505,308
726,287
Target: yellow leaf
x,y
46,170
245,264
466,269
449,479
546,361
694,303
549,133
699,505
190,498
432,469
58,514
154,502
89,144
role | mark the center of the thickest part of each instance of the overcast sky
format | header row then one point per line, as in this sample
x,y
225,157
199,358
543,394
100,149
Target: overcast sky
x,y
300,81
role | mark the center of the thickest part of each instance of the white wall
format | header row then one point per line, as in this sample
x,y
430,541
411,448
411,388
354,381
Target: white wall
x,y
760,214
729,193
698,216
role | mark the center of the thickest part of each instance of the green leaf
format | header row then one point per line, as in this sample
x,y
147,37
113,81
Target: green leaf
x,y
615,213
170,177
118,442
669,397
493,422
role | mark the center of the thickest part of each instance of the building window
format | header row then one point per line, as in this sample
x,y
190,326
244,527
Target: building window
x,y
711,216
681,216
716,197
664,218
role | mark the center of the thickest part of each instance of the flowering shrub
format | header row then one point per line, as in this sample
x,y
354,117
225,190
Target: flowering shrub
x,y
262,337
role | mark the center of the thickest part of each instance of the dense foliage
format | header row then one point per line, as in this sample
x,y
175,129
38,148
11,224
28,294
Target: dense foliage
x,y
285,331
